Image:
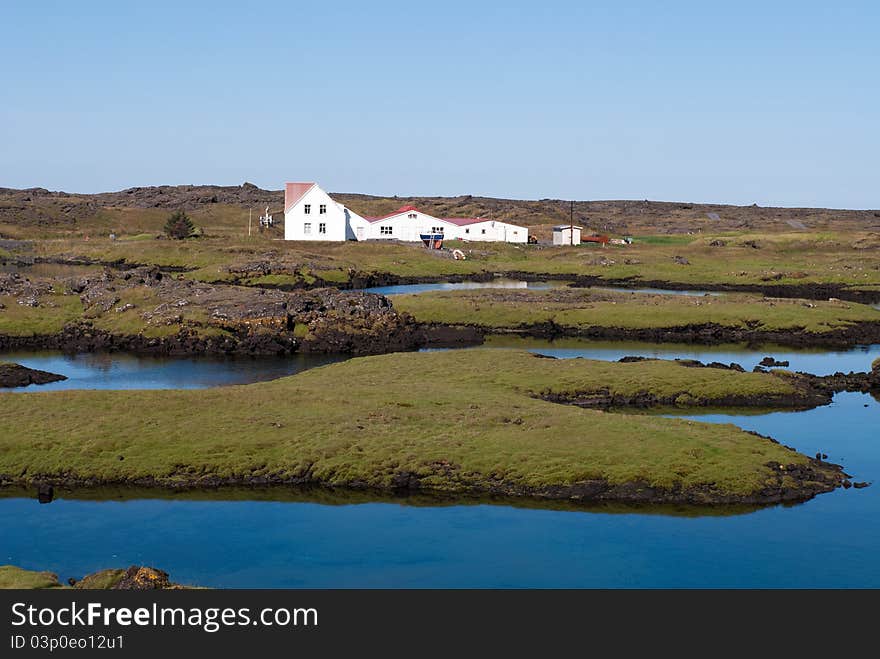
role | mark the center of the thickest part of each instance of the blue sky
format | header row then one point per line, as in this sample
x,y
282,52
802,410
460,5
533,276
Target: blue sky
x,y
775,103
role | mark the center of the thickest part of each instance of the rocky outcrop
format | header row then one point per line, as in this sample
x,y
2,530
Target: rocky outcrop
x,y
16,375
705,333
175,315
135,577
808,391
772,362
143,578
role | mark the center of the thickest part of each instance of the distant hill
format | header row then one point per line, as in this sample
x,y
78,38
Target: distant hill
x,y
38,206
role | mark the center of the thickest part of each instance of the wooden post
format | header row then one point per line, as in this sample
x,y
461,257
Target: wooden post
x,y
571,227
250,213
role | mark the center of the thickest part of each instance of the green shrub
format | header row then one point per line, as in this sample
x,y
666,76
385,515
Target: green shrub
x,y
179,226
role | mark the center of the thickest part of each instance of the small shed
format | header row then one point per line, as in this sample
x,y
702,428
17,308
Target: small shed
x,y
562,234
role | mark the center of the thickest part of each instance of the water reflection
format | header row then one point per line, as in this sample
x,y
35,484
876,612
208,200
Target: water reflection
x,y
125,371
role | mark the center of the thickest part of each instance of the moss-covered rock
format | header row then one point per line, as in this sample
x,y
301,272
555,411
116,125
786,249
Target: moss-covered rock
x,y
101,580
12,577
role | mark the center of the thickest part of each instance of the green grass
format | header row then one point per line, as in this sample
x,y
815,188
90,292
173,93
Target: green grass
x,y
666,240
795,258
459,419
102,580
586,308
16,578
52,314
55,311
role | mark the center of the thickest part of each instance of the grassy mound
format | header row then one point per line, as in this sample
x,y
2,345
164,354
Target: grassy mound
x,y
12,577
459,421
585,307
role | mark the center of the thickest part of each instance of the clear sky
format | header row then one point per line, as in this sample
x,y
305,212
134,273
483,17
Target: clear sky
x,y
775,103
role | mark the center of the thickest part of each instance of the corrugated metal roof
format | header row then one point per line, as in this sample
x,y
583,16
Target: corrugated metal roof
x,y
293,192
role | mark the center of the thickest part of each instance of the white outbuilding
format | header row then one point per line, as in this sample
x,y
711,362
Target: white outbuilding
x,y
562,234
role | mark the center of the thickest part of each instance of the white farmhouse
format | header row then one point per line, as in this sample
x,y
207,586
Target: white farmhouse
x,y
409,224
311,214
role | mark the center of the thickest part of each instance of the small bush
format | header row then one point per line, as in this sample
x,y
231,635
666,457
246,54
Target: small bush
x,y
179,226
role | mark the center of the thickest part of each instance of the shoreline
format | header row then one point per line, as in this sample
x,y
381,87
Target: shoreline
x,y
417,335
812,478
359,280
449,335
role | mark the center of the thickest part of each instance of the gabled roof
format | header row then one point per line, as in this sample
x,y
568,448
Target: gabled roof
x,y
458,221
293,192
566,227
464,221
399,211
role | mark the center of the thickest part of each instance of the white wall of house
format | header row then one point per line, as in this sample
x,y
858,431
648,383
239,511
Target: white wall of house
x,y
492,230
408,225
315,216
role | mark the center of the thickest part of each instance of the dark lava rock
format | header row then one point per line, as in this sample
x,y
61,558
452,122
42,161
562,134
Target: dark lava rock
x,y
143,578
16,375
406,480
717,243
770,361
249,320
695,363
45,493
681,260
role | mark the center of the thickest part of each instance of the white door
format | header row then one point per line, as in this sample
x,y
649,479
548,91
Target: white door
x,y
360,233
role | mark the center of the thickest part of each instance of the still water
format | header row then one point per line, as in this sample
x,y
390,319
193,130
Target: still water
x,y
831,541
810,360
404,289
410,289
125,371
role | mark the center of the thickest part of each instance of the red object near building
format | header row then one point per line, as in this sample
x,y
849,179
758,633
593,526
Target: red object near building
x,y
604,240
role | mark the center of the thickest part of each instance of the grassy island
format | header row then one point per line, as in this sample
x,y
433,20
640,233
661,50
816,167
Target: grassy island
x,y
461,421
577,309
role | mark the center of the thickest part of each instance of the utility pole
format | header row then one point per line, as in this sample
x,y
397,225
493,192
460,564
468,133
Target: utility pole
x,y
571,227
250,213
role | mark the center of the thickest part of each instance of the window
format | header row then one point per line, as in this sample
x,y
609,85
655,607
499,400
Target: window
x,y
322,209
307,229
322,227
307,209
484,232
516,233
436,229
385,231
467,230
412,216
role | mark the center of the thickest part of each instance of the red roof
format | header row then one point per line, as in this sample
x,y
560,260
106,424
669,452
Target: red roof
x,y
402,209
459,221
293,192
